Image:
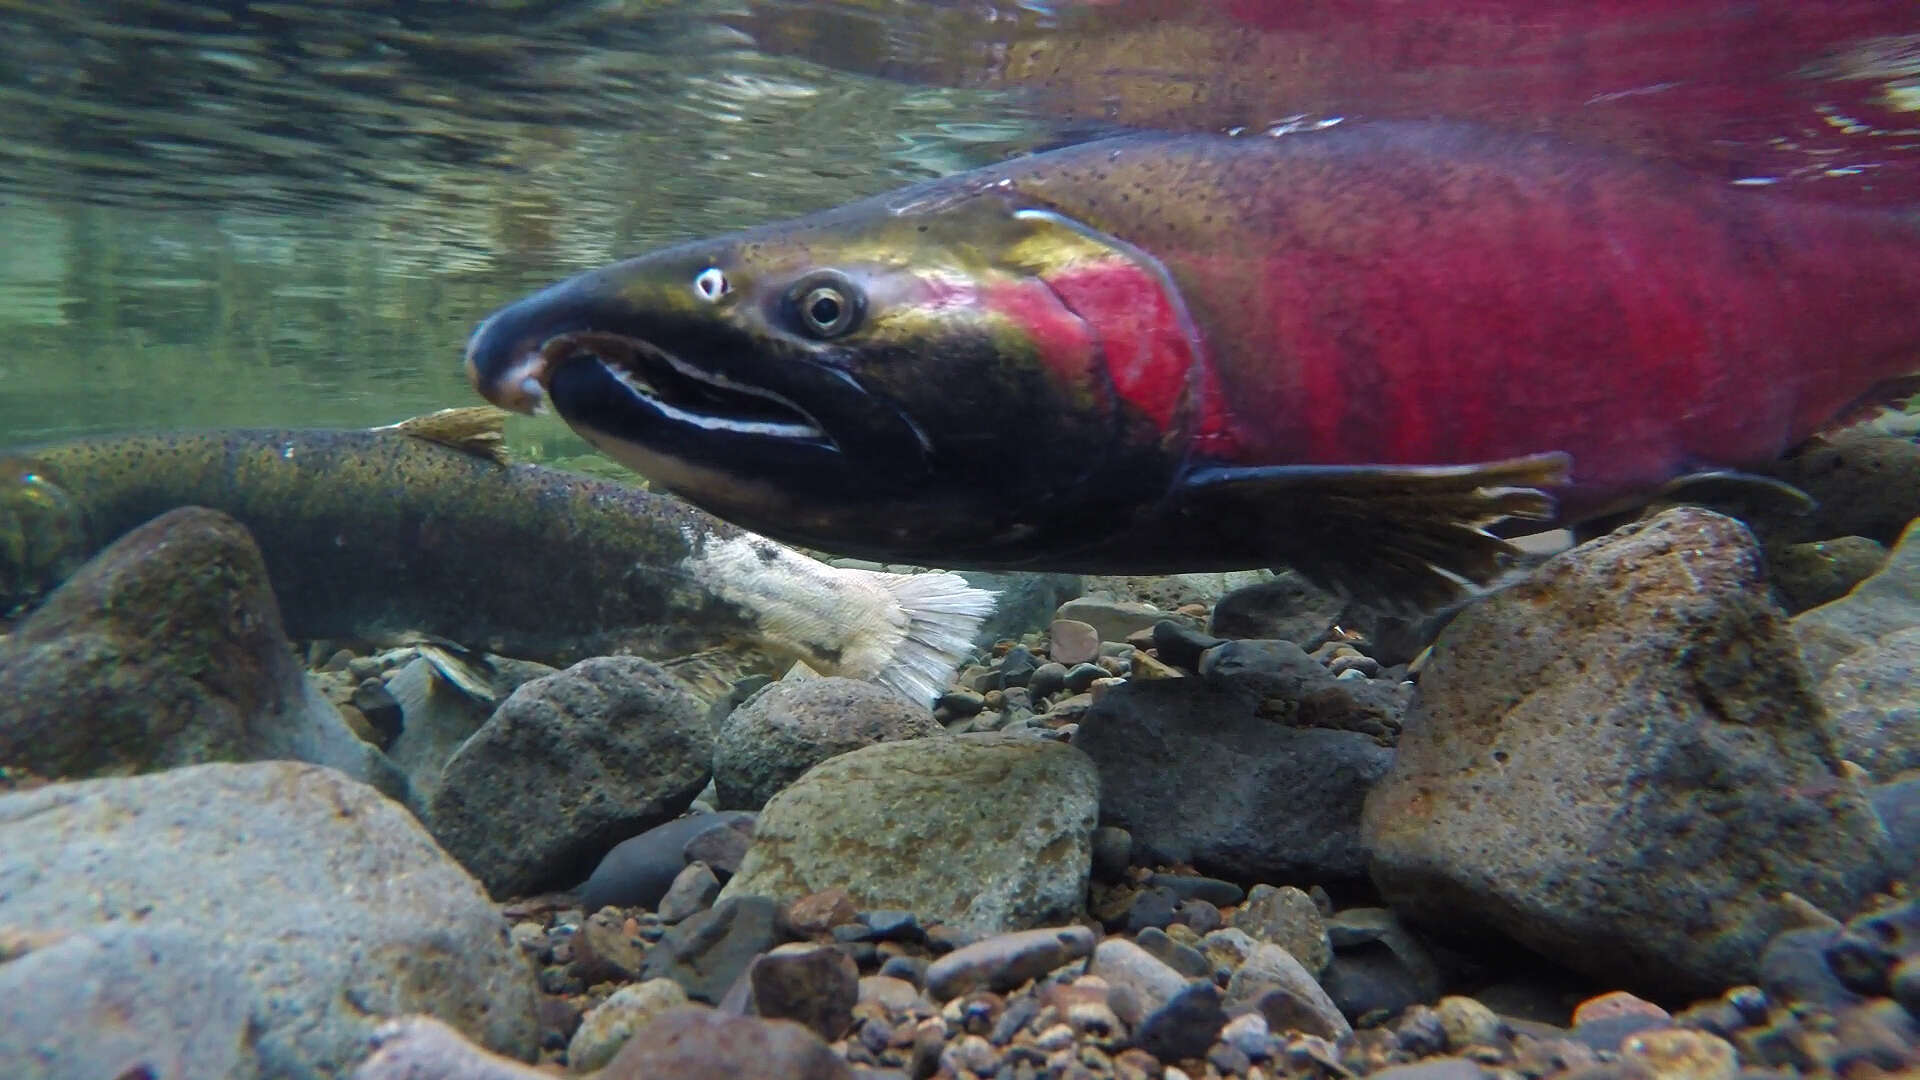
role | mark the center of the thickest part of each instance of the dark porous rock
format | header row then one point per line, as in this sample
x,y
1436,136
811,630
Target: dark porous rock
x,y
1808,575
568,766
1634,727
1864,483
422,1048
1288,608
813,985
695,1043
1186,1025
322,905
794,724
723,845
640,869
1004,961
707,952
108,1002
1196,776
1181,645
984,832
1898,804
1025,603
166,649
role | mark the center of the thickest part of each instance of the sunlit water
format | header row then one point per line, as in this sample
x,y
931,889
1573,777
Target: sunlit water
x,y
292,213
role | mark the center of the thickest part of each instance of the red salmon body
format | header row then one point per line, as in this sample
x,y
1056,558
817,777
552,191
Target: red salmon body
x,y
1404,295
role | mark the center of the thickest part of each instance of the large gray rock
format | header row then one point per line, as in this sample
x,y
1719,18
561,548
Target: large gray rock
x,y
567,767
988,832
106,1002
323,906
167,649
790,726
1196,776
1621,764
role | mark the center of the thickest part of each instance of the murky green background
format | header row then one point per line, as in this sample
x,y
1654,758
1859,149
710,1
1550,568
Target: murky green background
x,y
268,214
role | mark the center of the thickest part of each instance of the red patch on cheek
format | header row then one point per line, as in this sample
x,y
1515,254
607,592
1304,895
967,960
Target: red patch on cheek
x,y
1150,355
1061,340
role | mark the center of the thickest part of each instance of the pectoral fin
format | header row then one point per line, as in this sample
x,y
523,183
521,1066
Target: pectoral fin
x,y
1406,536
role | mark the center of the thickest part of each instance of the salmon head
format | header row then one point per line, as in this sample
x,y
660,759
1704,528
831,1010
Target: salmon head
x,y
956,373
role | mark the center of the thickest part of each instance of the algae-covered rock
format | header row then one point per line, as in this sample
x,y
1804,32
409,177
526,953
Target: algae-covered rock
x,y
166,649
1621,763
987,832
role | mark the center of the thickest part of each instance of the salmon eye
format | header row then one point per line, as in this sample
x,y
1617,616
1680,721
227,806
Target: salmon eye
x,y
826,304
711,283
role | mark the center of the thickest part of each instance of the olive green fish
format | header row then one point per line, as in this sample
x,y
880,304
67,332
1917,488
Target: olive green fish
x,y
420,527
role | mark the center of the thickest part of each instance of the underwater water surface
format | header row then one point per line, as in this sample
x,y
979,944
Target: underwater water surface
x,y
293,213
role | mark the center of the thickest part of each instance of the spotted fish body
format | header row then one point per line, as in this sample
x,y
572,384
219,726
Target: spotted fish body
x,y
1344,349
379,534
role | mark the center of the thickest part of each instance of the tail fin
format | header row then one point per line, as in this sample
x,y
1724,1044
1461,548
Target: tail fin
x,y
943,613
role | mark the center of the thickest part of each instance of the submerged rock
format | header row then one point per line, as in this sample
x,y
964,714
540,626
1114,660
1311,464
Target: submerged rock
x,y
567,767
988,832
1865,647
1195,776
1621,764
792,725
167,649
324,906
639,870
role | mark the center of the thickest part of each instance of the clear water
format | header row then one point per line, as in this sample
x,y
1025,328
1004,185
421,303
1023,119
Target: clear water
x,y
266,213
287,213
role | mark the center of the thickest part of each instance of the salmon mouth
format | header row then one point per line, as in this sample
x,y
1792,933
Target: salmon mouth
x,y
672,391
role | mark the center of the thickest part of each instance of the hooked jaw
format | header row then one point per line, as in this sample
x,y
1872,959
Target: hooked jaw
x,y
517,384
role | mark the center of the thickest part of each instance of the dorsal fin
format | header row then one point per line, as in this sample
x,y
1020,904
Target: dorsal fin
x,y
479,430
